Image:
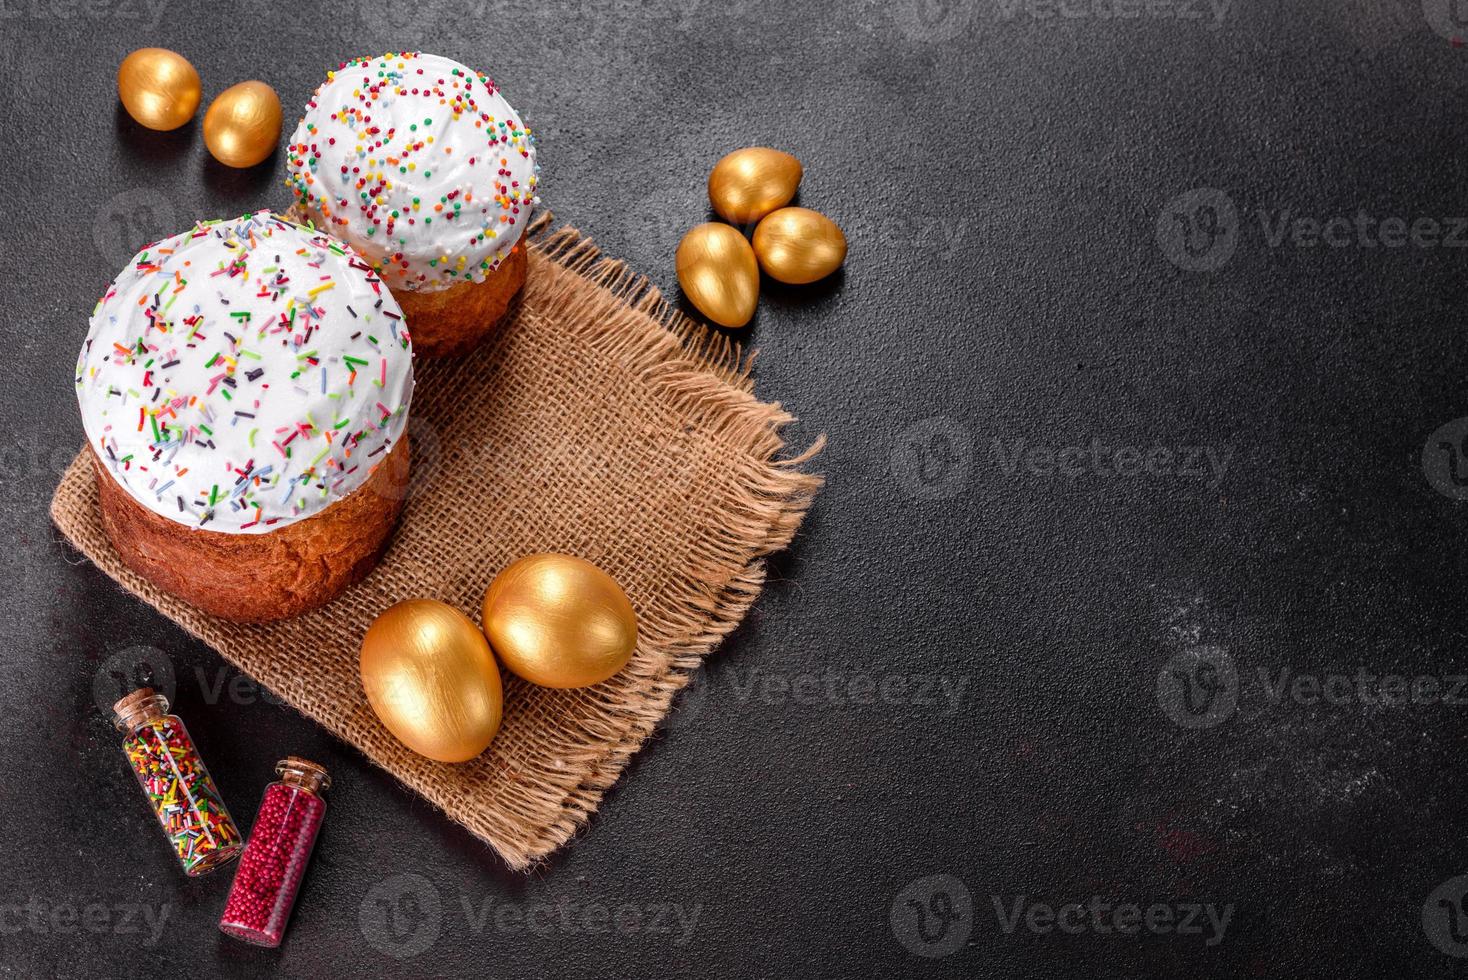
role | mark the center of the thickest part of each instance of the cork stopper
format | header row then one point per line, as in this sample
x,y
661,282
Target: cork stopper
x,y
138,708
296,771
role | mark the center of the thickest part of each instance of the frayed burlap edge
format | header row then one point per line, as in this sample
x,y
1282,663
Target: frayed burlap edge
x,y
703,373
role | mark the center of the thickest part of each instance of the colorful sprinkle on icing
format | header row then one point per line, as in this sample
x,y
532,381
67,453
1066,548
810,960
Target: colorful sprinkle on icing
x,y
420,164
222,382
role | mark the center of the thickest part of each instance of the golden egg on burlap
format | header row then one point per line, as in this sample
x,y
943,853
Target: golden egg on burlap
x,y
431,679
559,621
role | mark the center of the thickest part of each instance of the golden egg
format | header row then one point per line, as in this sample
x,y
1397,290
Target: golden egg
x,y
748,184
559,621
719,274
798,245
158,88
242,126
431,679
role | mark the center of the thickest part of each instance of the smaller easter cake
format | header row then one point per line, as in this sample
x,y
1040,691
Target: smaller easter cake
x,y
421,165
245,389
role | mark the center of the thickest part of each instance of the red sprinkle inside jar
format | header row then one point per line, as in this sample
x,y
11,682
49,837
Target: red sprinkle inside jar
x,y
275,859
180,789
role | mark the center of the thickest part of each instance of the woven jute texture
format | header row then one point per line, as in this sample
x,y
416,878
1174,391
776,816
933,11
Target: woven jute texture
x,y
600,422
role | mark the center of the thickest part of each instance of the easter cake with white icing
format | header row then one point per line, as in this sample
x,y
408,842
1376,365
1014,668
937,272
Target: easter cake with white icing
x,y
419,163
245,388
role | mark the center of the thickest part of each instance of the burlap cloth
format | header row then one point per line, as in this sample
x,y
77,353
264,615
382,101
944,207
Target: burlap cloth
x,y
599,422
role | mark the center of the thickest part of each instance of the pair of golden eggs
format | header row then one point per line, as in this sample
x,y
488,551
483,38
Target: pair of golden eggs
x,y
719,270
431,675
161,90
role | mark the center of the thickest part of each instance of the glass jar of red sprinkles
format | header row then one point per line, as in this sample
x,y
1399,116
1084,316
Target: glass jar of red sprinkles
x,y
180,789
275,859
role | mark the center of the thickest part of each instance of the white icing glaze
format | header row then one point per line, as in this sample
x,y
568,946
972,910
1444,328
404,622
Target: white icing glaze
x,y
244,374
420,164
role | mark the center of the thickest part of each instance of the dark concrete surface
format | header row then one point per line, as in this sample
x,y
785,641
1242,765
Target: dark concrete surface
x,y
1125,640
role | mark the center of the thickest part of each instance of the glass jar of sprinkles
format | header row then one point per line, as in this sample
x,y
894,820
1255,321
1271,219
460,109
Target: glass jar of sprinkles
x,y
275,859
180,789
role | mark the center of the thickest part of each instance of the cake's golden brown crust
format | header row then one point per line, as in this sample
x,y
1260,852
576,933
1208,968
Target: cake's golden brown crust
x,y
450,321
453,321
260,577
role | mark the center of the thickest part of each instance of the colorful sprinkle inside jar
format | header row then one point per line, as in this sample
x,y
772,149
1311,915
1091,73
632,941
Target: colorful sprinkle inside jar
x,y
180,789
275,859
